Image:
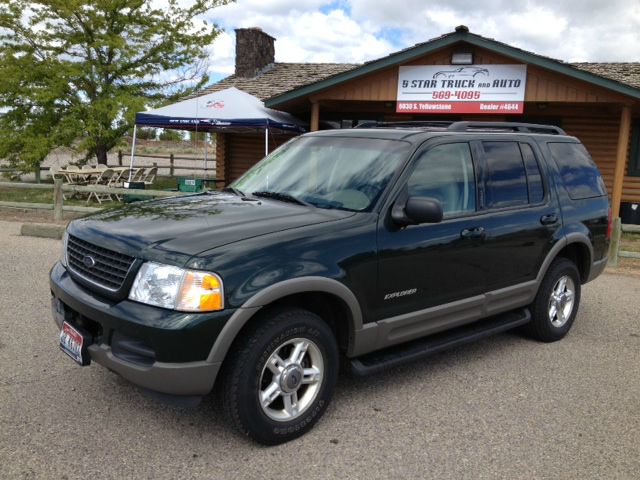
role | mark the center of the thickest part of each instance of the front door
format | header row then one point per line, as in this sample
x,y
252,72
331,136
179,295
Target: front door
x,y
421,266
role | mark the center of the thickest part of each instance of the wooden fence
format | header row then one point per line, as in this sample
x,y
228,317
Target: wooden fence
x,y
58,188
122,160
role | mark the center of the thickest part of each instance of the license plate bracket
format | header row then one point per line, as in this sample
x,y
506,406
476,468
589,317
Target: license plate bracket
x,y
74,341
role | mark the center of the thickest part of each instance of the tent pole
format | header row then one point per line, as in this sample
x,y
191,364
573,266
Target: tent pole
x,y
133,150
206,142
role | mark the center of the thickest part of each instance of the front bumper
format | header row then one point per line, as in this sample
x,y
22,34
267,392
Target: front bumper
x,y
154,348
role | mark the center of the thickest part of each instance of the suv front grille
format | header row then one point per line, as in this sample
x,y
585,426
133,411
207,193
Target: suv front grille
x,y
107,270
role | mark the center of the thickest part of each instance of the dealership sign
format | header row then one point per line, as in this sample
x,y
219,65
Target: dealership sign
x,y
461,89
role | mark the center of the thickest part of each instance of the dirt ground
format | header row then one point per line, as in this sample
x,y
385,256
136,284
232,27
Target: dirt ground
x,y
25,215
504,407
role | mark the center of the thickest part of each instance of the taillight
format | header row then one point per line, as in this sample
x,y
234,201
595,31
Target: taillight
x,y
609,224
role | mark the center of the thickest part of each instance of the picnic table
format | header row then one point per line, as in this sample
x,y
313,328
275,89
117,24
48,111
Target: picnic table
x,y
113,177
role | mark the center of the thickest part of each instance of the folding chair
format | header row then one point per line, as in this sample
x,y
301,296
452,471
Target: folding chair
x,y
106,178
150,177
138,176
76,175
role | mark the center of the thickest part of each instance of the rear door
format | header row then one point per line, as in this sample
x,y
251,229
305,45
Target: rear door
x,y
519,215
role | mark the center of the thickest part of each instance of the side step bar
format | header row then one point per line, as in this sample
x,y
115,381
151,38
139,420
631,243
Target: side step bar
x,y
417,349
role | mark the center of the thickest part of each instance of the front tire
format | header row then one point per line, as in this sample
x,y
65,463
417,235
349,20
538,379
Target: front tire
x,y
280,376
556,304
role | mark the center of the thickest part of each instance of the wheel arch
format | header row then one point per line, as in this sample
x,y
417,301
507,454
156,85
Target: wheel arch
x,y
328,294
575,247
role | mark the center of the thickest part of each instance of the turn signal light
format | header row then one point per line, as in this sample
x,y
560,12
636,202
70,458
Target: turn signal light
x,y
200,292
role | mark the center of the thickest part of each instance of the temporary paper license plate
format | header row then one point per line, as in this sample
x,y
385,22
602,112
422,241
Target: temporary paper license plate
x,y
74,344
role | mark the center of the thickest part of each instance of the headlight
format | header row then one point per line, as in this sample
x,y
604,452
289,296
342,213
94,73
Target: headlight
x,y
63,253
172,287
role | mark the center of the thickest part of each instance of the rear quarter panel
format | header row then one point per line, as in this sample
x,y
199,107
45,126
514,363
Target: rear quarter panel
x,y
587,216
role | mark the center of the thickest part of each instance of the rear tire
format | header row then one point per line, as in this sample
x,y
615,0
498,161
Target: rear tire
x,y
280,376
556,304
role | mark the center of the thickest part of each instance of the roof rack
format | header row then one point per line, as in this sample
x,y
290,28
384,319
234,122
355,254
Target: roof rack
x,y
505,126
451,126
407,124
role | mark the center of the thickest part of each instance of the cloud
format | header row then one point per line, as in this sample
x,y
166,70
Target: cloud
x,y
301,35
572,30
354,31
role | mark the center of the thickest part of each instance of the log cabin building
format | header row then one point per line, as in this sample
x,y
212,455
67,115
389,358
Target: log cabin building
x,y
597,102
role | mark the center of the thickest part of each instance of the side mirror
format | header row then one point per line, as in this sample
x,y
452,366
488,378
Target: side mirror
x,y
417,210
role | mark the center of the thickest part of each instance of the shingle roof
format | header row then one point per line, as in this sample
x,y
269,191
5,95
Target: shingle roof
x,y
280,78
627,73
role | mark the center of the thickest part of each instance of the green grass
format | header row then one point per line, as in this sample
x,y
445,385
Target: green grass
x,y
630,242
46,196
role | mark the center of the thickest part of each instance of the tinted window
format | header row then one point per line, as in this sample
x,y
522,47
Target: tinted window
x,y
579,174
534,179
328,172
445,172
505,179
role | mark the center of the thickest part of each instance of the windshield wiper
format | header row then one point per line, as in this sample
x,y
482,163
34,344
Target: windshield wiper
x,y
283,197
233,190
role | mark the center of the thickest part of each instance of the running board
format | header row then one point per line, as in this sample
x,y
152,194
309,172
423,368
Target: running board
x,y
417,349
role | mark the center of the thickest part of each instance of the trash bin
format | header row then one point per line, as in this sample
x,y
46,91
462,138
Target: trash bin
x,y
630,213
133,186
190,184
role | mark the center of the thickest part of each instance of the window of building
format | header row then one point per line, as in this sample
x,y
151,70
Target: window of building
x,y
445,172
579,174
505,178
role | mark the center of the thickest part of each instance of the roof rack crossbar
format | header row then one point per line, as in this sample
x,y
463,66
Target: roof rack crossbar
x,y
406,124
508,126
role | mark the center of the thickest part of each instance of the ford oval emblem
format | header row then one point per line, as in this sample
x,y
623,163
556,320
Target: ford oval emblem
x,y
89,261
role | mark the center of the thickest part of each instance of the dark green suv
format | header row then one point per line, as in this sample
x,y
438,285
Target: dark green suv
x,y
377,245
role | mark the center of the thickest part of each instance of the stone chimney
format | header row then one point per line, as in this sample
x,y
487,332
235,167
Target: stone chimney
x,y
254,51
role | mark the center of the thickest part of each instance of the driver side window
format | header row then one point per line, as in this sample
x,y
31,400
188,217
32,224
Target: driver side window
x,y
445,172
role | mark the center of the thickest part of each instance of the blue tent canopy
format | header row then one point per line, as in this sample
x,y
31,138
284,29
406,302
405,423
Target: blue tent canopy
x,y
227,110
219,111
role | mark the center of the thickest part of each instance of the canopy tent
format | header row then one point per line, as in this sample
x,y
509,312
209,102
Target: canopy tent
x,y
227,110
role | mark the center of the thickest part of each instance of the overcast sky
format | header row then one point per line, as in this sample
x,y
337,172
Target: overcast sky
x,y
354,31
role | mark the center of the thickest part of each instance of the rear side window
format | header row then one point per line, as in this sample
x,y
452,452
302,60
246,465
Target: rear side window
x,y
505,177
579,174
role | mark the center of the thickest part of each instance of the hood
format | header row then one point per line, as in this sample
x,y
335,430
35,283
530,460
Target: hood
x,y
177,228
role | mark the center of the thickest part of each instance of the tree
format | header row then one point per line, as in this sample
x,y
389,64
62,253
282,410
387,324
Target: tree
x,y
171,135
78,70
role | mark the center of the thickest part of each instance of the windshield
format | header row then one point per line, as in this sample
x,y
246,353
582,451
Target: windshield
x,y
326,172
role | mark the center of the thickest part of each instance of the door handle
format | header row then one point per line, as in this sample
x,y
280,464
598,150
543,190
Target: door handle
x,y
476,232
549,219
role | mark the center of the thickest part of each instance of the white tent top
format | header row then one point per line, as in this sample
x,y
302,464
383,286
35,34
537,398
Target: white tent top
x,y
227,109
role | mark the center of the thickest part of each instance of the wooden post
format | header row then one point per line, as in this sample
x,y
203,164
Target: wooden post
x,y
614,247
57,199
621,159
315,117
171,169
119,158
38,174
221,160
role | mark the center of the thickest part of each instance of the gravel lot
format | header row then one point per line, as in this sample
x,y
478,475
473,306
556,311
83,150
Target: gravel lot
x,y
506,407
